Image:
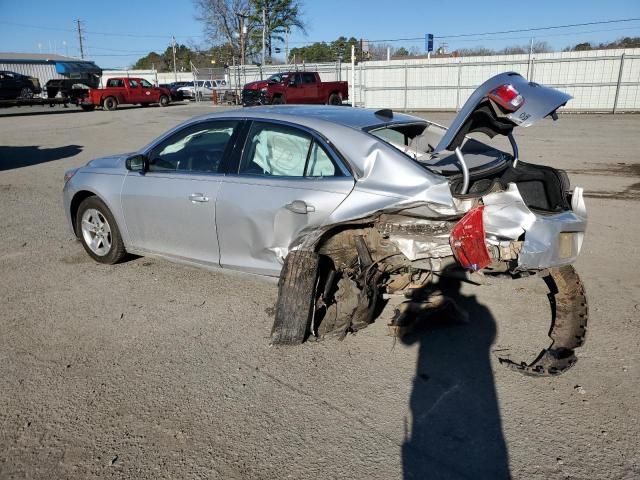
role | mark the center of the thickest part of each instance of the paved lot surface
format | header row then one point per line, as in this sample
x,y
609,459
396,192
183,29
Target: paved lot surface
x,y
153,370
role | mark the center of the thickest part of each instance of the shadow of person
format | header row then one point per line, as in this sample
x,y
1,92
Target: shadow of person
x,y
456,430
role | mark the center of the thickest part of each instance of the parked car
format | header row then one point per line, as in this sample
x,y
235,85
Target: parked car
x,y
347,204
203,88
125,90
174,88
294,87
15,85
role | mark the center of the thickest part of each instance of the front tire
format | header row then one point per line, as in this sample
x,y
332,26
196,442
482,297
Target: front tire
x,y
164,101
277,101
26,92
110,104
97,230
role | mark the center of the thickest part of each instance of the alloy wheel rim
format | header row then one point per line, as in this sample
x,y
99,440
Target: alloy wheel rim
x,y
96,232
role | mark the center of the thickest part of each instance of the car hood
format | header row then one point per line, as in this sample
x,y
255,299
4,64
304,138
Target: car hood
x,y
255,85
481,113
112,161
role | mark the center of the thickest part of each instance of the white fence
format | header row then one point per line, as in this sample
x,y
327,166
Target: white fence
x,y
599,80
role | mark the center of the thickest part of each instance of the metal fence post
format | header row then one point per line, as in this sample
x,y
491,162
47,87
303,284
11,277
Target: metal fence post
x,y
458,87
405,86
615,99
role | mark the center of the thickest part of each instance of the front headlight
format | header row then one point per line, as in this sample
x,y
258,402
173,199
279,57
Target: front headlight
x,y
264,89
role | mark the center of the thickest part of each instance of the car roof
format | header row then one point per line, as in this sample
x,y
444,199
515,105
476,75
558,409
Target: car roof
x,y
318,117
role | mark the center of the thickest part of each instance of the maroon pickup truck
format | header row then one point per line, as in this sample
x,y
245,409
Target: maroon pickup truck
x,y
294,87
119,91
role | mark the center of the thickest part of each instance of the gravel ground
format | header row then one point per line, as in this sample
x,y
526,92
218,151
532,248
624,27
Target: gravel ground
x,y
155,370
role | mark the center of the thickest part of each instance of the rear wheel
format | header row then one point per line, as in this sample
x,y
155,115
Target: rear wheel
x,y
110,103
26,92
164,101
296,297
98,232
334,99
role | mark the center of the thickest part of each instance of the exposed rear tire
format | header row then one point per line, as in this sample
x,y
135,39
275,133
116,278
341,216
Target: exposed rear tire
x,y
110,104
164,101
296,297
98,231
334,99
26,92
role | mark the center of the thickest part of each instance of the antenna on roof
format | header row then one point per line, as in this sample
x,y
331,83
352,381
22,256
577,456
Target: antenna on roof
x,y
385,113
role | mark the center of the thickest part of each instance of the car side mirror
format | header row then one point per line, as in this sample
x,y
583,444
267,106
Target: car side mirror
x,y
138,163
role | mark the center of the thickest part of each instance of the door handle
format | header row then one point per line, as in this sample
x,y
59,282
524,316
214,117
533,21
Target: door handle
x,y
300,206
198,198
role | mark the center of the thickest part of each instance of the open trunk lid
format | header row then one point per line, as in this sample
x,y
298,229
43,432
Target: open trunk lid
x,y
498,105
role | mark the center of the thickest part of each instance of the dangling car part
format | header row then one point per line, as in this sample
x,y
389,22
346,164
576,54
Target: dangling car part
x,y
349,205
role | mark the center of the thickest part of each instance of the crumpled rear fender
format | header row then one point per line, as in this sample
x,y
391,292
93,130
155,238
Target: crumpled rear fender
x,y
550,239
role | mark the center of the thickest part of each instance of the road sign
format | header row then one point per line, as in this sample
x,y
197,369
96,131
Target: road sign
x,y
428,42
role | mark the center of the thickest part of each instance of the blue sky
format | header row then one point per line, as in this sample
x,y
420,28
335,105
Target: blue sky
x,y
149,24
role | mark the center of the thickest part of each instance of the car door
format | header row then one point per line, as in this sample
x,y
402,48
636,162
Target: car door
x,y
295,89
148,93
170,209
287,180
310,92
9,87
135,91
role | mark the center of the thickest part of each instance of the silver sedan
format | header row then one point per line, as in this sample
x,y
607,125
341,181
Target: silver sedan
x,y
346,204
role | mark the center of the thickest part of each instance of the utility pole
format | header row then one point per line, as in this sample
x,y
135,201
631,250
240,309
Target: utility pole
x,y
242,17
286,46
80,39
264,31
175,73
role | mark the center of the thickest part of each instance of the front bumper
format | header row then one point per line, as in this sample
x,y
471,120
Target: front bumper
x,y
254,97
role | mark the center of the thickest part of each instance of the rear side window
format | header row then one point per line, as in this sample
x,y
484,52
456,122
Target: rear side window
x,y
308,78
197,148
283,151
115,82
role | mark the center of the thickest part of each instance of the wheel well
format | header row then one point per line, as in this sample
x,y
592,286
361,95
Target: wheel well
x,y
75,203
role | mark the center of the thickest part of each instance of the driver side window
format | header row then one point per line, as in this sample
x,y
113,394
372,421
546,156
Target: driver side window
x,y
197,148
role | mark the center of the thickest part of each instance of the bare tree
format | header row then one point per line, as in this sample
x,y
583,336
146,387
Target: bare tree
x,y
223,20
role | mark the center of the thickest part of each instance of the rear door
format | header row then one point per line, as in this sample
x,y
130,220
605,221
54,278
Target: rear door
x,y
287,180
134,92
170,209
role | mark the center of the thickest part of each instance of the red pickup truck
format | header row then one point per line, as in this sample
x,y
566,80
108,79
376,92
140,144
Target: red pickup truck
x,y
294,87
119,91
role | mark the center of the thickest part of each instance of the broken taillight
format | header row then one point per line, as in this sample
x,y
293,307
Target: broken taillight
x,y
467,241
507,97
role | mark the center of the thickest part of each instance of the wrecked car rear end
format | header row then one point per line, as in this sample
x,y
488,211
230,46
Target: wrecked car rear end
x,y
429,202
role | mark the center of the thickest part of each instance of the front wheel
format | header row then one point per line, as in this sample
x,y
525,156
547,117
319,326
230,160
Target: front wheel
x,y
277,101
98,232
164,101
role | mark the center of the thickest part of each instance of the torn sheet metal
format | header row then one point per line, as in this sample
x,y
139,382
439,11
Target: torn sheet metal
x,y
550,240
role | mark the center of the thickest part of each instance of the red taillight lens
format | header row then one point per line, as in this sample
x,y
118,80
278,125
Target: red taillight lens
x,y
468,242
507,97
